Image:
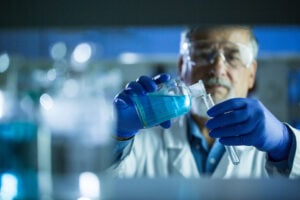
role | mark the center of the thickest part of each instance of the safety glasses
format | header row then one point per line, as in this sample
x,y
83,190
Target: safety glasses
x,y
203,53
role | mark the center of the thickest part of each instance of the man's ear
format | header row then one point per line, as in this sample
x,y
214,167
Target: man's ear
x,y
253,70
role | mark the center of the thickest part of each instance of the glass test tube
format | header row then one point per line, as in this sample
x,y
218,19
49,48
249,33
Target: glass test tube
x,y
230,149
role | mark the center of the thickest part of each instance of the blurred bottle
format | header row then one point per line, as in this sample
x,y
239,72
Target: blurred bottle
x,y
18,147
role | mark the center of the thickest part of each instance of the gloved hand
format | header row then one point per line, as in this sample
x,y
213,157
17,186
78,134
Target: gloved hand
x,y
245,121
128,122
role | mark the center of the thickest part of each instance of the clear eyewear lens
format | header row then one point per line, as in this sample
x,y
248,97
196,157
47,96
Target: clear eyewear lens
x,y
205,53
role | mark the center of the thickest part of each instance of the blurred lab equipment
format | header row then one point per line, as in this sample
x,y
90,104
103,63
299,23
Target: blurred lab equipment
x,y
18,142
78,115
55,127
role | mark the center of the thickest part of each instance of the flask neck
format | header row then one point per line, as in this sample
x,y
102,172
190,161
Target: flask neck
x,y
197,89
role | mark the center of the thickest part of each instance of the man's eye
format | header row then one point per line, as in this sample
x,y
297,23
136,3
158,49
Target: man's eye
x,y
201,55
233,55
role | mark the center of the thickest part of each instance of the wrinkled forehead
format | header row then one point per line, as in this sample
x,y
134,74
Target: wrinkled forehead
x,y
235,35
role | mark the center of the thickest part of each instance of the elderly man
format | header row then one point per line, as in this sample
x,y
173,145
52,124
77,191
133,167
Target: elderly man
x,y
224,58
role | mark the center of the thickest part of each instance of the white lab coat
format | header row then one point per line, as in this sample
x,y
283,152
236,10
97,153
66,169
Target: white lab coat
x,y
158,152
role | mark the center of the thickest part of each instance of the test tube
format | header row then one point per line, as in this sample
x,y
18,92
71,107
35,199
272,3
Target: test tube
x,y
230,149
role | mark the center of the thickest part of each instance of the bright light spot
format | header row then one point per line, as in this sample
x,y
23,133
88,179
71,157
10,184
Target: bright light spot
x,y
51,74
82,53
1,104
58,51
84,198
46,101
89,185
4,62
185,46
9,186
129,58
70,88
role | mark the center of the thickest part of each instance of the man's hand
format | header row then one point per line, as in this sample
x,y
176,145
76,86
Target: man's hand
x,y
245,121
128,122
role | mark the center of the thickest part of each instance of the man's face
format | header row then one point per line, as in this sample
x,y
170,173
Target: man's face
x,y
227,70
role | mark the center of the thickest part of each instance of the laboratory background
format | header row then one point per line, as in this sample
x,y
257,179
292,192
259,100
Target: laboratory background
x,y
58,81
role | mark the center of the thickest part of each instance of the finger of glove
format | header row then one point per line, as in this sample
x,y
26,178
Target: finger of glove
x,y
147,83
237,140
122,100
134,88
234,130
228,118
161,78
166,124
227,106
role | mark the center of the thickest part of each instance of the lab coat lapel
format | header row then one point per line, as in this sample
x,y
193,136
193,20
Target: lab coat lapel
x,y
179,155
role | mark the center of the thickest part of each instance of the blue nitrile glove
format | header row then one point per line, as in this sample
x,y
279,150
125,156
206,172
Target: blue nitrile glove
x,y
245,121
128,122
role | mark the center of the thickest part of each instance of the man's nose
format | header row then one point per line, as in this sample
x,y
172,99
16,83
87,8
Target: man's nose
x,y
218,67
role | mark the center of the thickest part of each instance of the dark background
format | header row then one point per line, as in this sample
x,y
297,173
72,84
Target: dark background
x,y
94,13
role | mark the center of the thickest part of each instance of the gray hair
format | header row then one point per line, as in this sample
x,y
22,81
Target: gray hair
x,y
190,31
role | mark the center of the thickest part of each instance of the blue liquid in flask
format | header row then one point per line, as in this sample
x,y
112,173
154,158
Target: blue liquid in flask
x,y
154,109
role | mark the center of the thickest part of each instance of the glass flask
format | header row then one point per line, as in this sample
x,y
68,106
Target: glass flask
x,y
172,99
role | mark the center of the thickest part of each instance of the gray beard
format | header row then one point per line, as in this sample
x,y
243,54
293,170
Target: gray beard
x,y
230,95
